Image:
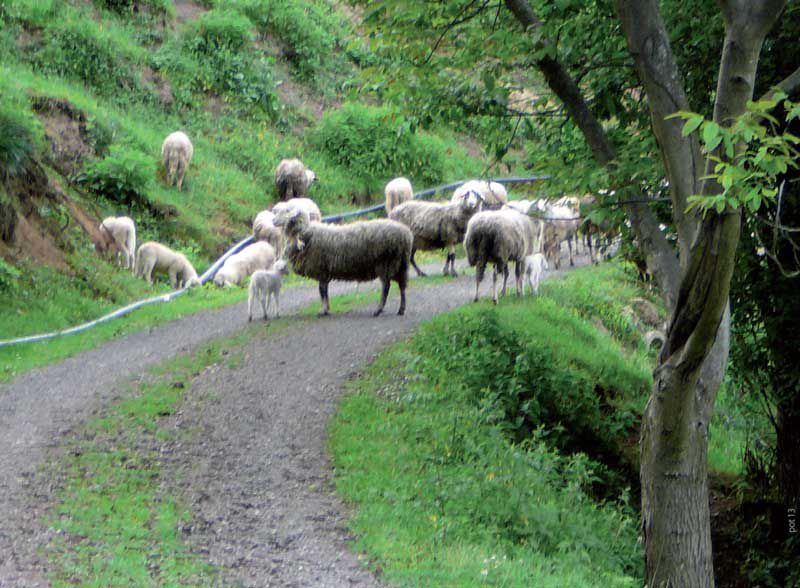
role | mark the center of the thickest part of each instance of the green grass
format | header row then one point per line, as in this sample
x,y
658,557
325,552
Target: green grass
x,y
115,525
463,463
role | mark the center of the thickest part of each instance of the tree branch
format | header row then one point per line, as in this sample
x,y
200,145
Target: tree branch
x,y
661,259
649,44
790,86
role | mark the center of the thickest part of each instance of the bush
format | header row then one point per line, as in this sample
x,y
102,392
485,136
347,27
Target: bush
x,y
129,7
9,275
214,55
307,28
123,177
218,31
376,144
81,50
20,138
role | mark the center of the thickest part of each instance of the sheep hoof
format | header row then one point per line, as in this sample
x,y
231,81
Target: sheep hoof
x,y
323,313
377,312
421,274
401,312
249,319
494,301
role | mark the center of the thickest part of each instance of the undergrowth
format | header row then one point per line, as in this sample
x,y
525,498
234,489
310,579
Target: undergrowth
x,y
478,452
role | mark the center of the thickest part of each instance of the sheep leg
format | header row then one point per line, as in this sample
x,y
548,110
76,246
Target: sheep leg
x,y
323,294
250,307
266,301
518,277
589,244
402,282
416,267
479,271
569,246
505,278
385,284
494,284
277,304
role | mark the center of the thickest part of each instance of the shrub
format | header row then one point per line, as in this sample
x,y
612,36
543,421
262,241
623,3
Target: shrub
x,y
123,177
81,50
20,138
218,31
305,27
375,144
9,276
129,7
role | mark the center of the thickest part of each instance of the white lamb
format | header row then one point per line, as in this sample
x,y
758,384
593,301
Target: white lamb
x,y
176,153
397,191
119,232
237,268
534,268
265,286
155,257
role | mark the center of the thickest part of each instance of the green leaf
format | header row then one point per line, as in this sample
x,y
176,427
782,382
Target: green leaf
x,y
691,125
711,135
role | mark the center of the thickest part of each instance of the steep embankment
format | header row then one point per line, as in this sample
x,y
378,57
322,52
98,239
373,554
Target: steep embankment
x,y
88,91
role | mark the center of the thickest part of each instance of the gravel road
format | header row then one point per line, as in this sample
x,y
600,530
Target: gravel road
x,y
256,474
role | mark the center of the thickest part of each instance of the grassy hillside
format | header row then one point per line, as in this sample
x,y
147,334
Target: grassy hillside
x,y
89,90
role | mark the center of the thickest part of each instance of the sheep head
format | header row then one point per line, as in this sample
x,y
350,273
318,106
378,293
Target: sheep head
x,y
281,267
292,219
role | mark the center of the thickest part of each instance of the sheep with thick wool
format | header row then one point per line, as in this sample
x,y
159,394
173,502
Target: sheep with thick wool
x,y
240,266
560,224
176,153
155,257
305,204
119,232
494,194
293,179
264,229
397,191
499,237
265,287
360,251
437,225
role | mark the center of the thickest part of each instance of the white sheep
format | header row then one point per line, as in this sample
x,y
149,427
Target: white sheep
x,y
534,267
119,232
397,191
305,204
265,286
264,229
523,206
176,153
360,251
240,266
155,257
499,237
494,194
293,179
437,225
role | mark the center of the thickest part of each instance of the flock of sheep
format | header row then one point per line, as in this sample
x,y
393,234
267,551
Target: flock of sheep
x,y
479,215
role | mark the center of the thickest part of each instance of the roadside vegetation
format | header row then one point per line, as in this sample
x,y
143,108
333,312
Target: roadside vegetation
x,y
498,445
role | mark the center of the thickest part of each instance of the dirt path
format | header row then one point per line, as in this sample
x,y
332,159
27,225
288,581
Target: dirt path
x,y
257,475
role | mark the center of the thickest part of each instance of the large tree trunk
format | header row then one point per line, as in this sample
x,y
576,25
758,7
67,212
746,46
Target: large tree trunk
x,y
674,441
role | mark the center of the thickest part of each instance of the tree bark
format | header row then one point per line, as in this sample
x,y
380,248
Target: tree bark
x,y
674,441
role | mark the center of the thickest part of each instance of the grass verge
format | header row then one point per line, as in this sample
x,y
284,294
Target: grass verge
x,y
480,450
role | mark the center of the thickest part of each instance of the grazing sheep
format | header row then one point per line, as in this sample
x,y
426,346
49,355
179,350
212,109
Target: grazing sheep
x,y
397,191
498,237
293,179
360,251
436,225
265,286
494,194
176,153
305,204
119,232
155,257
534,268
240,266
265,230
